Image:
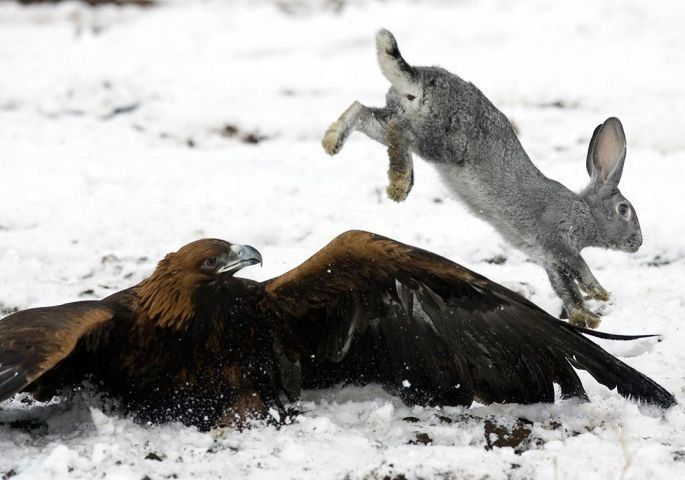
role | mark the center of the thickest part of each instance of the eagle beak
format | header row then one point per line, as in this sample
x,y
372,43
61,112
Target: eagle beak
x,y
241,256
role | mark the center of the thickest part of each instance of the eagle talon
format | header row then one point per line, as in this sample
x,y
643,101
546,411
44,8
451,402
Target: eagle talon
x,y
221,432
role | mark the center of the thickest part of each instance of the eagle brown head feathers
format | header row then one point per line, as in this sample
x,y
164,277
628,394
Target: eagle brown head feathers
x,y
167,295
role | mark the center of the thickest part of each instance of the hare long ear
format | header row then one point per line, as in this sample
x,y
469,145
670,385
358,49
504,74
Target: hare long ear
x,y
607,153
588,161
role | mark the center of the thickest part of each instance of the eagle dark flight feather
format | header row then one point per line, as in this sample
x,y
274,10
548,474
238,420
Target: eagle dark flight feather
x,y
195,344
33,341
370,309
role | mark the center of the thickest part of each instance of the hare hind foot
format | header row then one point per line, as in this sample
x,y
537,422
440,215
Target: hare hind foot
x,y
400,184
583,318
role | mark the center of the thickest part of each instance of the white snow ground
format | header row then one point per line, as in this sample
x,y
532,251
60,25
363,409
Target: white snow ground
x,y
90,200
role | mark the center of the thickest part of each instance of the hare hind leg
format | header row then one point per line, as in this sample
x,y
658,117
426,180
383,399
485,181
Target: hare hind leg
x,y
565,287
401,167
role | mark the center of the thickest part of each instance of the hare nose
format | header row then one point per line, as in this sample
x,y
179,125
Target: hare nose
x,y
635,241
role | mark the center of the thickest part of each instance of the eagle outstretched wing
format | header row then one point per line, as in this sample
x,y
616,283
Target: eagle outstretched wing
x,y
34,341
369,309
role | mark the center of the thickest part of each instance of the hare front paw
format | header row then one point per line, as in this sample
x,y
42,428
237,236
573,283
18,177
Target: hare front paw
x,y
595,292
583,318
334,138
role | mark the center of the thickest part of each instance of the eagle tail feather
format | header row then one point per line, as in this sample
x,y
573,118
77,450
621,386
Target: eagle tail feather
x,y
613,373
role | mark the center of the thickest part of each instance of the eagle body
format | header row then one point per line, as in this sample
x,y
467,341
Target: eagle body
x,y
195,344
192,373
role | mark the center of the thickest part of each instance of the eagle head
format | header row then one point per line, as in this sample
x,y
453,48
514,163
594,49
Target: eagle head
x,y
167,295
210,257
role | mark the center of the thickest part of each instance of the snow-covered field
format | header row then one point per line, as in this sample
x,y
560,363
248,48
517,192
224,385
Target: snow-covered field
x,y
125,133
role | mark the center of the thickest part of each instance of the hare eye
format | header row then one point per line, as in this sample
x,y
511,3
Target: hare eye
x,y
210,262
410,97
624,210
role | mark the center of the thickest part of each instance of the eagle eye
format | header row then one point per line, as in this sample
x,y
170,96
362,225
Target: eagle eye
x,y
211,262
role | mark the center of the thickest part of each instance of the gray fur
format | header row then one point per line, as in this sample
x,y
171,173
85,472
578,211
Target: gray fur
x,y
452,125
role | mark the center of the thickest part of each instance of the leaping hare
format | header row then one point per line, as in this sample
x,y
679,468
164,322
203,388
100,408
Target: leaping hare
x,y
452,125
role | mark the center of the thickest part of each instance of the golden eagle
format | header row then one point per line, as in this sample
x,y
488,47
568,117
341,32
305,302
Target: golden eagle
x,y
196,344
